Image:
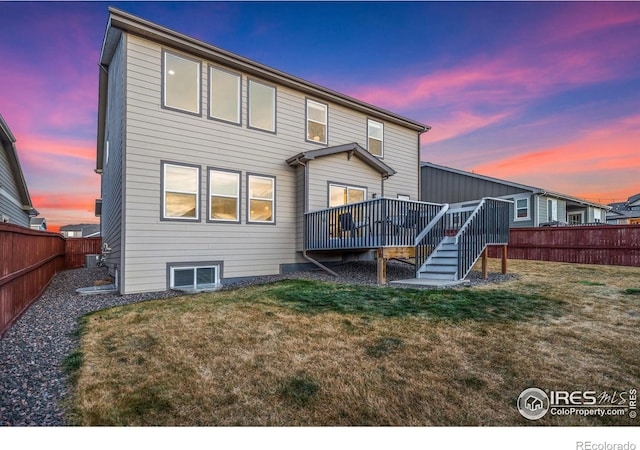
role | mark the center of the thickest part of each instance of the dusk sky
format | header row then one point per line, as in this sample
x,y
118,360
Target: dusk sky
x,y
544,94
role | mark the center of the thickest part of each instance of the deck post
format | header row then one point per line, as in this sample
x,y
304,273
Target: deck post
x,y
382,266
504,259
485,257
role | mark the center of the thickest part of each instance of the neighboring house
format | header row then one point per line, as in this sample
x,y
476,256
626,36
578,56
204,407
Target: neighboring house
x,y
625,212
532,206
209,161
15,202
38,223
81,230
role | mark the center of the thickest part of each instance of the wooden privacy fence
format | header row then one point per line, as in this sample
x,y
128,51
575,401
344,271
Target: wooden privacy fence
x,y
617,245
28,261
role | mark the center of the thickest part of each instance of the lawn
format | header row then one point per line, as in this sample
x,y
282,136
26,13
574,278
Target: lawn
x,y
312,353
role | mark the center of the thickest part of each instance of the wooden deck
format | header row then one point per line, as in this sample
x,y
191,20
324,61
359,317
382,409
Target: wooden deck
x,y
413,230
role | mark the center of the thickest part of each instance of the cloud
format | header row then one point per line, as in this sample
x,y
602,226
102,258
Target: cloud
x,y
486,89
608,157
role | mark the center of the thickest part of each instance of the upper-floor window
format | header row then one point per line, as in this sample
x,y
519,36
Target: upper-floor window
x,y
375,138
522,209
180,191
224,195
316,122
224,95
261,199
262,106
181,83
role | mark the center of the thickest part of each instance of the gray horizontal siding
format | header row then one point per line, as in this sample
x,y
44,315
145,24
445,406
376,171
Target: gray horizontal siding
x,y
112,177
10,202
442,186
154,134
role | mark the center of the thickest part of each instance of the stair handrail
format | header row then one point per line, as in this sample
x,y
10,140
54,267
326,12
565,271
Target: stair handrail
x,y
421,248
433,223
465,264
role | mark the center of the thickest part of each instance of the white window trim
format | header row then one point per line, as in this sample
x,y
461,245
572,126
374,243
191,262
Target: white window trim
x,y
216,284
515,209
325,123
599,212
369,121
238,120
579,213
164,192
272,199
554,208
164,83
237,197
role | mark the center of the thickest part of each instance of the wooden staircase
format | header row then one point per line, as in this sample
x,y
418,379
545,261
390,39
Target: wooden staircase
x,y
442,264
443,257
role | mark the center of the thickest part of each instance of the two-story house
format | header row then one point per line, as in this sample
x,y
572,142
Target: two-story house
x,y
216,167
15,202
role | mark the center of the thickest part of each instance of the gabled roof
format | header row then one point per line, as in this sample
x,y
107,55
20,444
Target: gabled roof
x,y
633,199
121,21
8,142
86,228
353,149
532,189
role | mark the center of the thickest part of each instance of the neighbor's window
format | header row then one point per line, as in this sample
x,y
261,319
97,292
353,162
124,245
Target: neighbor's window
x,y
180,197
597,215
195,278
522,209
224,95
343,195
262,106
261,199
181,83
316,122
552,210
375,138
224,196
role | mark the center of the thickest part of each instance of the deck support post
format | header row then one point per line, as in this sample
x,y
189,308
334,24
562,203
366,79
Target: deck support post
x,y
384,254
382,266
485,258
504,259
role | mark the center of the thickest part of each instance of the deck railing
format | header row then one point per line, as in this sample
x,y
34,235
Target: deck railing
x,y
382,222
487,225
429,238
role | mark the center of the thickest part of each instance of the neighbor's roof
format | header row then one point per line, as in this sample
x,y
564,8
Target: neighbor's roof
x,y
121,21
8,142
353,149
532,189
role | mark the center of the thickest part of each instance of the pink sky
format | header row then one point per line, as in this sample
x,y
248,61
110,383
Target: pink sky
x,y
541,94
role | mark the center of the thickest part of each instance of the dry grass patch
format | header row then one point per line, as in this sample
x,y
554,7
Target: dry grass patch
x,y
311,353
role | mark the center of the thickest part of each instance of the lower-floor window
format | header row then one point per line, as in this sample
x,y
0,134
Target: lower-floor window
x,y
261,199
343,195
195,278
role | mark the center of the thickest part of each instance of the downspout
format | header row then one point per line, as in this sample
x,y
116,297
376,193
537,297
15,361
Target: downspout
x,y
306,207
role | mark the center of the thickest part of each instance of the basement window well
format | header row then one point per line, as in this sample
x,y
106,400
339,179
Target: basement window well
x,y
195,278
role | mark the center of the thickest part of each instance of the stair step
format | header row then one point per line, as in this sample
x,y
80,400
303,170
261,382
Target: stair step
x,y
436,268
437,276
446,253
445,259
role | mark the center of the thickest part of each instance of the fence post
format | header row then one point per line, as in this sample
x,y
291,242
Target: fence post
x,y
504,259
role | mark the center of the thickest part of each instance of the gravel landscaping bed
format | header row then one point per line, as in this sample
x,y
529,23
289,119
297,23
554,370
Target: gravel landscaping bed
x,y
32,352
